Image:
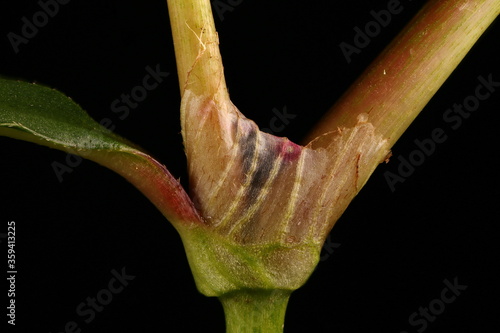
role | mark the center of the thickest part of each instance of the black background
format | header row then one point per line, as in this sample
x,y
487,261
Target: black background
x,y
396,248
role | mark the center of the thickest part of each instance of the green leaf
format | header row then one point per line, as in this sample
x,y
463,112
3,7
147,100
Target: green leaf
x,y
38,114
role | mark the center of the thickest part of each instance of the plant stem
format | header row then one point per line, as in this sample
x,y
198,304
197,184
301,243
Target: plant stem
x,y
255,311
404,77
365,122
199,64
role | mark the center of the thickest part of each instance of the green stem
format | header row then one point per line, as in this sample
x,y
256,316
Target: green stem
x,y
196,43
255,311
405,76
